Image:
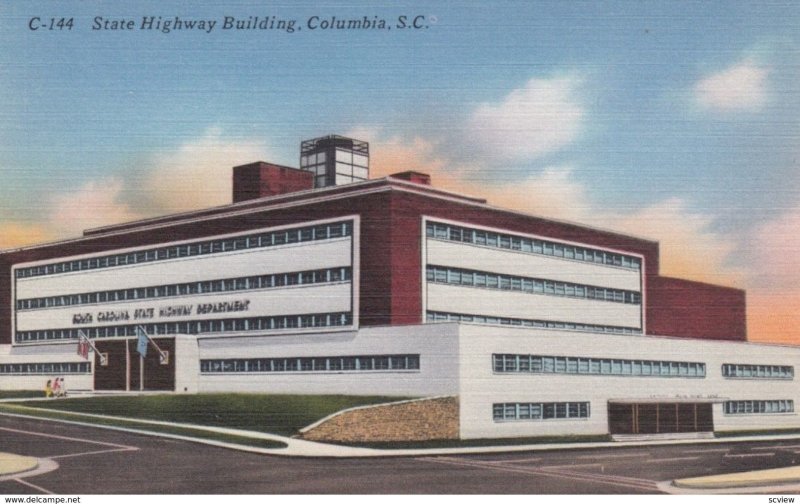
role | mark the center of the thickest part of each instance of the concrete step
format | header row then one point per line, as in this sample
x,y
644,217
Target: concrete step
x,y
662,437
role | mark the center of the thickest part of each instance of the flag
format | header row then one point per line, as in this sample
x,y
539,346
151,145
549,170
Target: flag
x,y
83,346
141,344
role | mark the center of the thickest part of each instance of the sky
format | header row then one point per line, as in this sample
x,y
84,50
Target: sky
x,y
677,121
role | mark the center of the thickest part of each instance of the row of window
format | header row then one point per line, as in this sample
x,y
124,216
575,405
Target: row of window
x,y
268,239
758,371
341,169
513,363
312,364
46,368
341,156
191,288
504,241
764,407
539,411
195,327
434,316
472,278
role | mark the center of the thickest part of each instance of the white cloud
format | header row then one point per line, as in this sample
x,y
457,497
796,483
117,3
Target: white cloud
x,y
541,117
775,252
740,87
198,174
97,203
690,248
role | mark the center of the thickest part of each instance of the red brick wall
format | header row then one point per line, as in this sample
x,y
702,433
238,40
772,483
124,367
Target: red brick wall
x,y
689,309
391,234
257,180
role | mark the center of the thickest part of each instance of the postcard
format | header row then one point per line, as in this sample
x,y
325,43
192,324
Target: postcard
x,y
520,248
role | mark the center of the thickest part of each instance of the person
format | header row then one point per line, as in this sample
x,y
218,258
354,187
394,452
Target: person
x,y
56,387
48,389
62,388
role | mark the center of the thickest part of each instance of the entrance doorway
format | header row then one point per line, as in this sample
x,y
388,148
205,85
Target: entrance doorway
x,y
122,369
659,418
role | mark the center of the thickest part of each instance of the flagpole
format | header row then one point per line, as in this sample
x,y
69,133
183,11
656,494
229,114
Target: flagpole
x,y
163,356
127,366
82,335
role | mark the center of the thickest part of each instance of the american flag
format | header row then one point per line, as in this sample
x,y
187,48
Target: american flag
x,y
83,347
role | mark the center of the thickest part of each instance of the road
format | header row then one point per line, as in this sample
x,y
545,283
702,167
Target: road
x,y
98,461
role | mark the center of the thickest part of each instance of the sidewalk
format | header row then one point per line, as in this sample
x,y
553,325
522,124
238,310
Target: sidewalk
x,y
767,477
13,464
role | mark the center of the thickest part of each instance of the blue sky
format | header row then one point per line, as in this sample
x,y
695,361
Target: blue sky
x,y
677,120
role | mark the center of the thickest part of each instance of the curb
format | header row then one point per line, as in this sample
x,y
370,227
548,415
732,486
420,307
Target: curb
x,y
736,485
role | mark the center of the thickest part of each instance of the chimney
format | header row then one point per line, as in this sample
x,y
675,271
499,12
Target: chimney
x,y
413,176
260,179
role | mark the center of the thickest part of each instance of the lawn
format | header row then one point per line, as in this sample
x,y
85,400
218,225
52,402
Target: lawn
x,y
20,394
276,414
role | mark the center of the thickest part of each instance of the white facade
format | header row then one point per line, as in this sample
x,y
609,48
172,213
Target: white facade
x,y
459,359
42,355
481,387
275,310
528,285
217,278
435,346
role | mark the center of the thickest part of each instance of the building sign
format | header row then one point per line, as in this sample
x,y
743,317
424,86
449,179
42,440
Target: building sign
x,y
167,311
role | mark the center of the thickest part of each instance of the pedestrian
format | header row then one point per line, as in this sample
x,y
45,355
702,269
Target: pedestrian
x,y
48,389
62,387
56,387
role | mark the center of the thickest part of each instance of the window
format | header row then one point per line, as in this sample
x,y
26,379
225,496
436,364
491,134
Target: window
x,y
502,412
230,284
758,407
512,363
758,371
196,327
458,276
506,241
434,316
44,368
322,232
313,364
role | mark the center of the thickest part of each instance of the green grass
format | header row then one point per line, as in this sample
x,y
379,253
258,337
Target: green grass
x,y
21,394
276,414
128,424
464,443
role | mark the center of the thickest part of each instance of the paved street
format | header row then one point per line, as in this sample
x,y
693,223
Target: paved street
x,y
92,461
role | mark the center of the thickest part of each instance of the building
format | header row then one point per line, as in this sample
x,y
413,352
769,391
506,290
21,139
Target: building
x,y
321,280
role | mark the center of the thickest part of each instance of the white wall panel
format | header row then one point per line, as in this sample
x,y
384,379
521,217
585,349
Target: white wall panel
x,y
315,298
435,343
294,257
42,354
72,383
498,303
481,387
509,262
187,364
